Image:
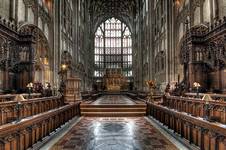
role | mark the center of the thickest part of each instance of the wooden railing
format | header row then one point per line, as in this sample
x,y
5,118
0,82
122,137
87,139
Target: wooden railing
x,y
11,97
204,134
33,95
213,96
13,110
6,98
22,135
214,110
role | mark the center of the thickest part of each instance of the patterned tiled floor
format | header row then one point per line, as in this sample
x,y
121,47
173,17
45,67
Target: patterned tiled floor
x,y
113,134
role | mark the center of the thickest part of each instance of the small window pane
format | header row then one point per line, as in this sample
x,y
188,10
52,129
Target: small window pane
x,y
115,51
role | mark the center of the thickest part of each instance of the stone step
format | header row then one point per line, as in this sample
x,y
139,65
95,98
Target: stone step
x,y
113,114
125,109
113,106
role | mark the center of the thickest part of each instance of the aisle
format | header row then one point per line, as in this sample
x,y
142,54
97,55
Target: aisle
x,y
113,134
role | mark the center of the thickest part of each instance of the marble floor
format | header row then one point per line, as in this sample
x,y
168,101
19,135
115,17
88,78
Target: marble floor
x,y
113,134
113,99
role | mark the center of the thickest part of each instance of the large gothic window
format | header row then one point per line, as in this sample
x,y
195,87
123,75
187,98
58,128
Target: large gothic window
x,y
113,47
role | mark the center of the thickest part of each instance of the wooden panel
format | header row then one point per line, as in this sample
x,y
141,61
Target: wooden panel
x,y
9,110
29,131
204,134
198,107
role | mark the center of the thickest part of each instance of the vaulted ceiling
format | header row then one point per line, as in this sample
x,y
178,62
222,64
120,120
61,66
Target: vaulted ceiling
x,y
124,10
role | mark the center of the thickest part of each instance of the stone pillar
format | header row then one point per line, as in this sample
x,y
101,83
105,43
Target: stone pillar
x,y
11,10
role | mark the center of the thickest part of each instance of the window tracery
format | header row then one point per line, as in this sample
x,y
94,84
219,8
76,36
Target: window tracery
x,y
113,47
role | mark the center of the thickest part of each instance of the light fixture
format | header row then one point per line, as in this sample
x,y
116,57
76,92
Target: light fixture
x,y
177,3
196,85
63,66
30,85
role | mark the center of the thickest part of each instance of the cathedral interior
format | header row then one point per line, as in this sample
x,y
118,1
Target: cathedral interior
x,y
113,74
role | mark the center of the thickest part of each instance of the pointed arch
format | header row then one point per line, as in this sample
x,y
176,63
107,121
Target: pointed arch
x,y
113,47
41,53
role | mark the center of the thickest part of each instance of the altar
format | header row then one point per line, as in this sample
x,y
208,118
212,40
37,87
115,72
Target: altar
x,y
113,79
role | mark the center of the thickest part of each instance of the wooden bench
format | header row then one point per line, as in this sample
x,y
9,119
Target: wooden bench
x,y
31,130
28,108
190,128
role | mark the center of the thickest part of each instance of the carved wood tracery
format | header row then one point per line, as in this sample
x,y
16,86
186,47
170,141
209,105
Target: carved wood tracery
x,y
17,53
204,46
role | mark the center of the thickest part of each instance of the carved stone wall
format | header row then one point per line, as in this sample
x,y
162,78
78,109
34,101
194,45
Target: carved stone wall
x,y
168,23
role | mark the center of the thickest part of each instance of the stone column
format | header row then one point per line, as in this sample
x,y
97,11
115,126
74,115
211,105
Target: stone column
x,y
11,10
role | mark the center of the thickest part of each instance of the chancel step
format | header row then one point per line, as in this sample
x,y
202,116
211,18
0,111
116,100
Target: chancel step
x,y
113,110
113,114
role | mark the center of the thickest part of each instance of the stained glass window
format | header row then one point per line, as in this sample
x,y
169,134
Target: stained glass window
x,y
113,47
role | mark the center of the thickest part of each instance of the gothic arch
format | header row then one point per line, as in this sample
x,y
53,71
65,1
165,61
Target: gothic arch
x,y
102,19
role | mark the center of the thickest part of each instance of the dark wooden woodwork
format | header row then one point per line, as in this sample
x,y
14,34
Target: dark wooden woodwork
x,y
202,133
196,107
214,96
27,132
5,98
203,55
9,111
11,97
18,46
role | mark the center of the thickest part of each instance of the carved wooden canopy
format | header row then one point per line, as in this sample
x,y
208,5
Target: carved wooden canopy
x,y
206,44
